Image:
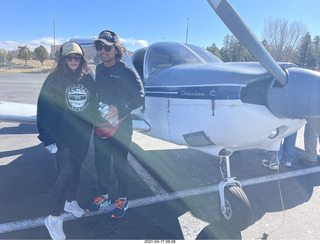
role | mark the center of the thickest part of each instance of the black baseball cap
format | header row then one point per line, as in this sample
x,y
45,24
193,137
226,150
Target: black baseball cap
x,y
108,37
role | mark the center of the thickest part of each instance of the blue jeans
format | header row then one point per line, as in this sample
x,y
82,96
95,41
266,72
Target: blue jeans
x,y
310,143
288,148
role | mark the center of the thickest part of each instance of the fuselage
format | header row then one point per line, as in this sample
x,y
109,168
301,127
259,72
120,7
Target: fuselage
x,y
211,106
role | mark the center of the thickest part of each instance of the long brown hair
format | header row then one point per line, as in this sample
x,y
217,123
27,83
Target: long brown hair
x,y
120,50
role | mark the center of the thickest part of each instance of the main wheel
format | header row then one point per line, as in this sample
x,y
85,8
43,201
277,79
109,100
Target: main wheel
x,y
237,212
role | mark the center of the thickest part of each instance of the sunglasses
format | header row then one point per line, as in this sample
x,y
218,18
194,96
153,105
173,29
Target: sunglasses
x,y
76,58
105,47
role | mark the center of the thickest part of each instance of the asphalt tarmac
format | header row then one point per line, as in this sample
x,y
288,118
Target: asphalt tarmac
x,y
172,189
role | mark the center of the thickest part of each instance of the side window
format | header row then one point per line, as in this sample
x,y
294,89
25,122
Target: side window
x,y
138,64
139,68
164,55
157,58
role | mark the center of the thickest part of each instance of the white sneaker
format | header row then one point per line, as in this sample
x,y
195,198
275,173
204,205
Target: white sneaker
x,y
55,228
287,164
270,165
73,207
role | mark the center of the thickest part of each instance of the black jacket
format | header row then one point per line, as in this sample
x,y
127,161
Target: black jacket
x,y
65,112
119,85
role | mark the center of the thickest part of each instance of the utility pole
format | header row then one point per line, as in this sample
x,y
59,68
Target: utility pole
x,y
187,30
54,36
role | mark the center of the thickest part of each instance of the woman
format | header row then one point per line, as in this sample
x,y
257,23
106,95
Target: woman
x,y
65,107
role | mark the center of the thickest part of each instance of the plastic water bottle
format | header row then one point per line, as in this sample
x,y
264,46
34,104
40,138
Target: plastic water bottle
x,y
104,109
52,148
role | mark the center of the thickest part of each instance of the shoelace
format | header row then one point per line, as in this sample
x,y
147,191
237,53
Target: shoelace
x,y
119,204
98,200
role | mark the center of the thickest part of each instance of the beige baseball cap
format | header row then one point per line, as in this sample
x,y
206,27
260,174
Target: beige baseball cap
x,y
71,47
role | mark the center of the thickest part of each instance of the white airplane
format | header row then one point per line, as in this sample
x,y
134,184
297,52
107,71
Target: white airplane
x,y
192,98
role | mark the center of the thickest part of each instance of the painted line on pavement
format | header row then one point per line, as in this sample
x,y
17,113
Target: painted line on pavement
x,y
37,222
154,186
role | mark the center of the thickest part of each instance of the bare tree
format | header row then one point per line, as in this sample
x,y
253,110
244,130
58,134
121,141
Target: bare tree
x,y
283,38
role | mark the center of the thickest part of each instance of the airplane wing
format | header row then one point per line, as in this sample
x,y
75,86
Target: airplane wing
x,y
18,112
26,113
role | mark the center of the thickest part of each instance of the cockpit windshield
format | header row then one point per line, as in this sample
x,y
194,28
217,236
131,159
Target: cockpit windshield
x,y
167,54
207,56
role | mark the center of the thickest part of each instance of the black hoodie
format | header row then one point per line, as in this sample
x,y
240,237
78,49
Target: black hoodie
x,y
119,85
65,112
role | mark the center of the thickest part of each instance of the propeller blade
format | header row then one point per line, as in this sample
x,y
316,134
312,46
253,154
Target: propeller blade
x,y
240,29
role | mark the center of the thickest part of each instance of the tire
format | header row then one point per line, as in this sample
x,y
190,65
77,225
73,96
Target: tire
x,y
238,210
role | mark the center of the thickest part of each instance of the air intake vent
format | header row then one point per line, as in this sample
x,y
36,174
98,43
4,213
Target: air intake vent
x,y
198,139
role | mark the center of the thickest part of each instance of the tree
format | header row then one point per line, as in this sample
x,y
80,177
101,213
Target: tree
x,y
225,51
316,47
214,50
234,51
25,54
5,57
283,39
305,53
40,53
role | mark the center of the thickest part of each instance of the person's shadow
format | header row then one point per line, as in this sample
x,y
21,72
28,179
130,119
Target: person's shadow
x,y
219,231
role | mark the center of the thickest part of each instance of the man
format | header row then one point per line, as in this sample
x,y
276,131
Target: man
x,y
118,86
310,144
287,150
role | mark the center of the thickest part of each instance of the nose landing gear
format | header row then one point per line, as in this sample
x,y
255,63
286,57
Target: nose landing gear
x,y
235,206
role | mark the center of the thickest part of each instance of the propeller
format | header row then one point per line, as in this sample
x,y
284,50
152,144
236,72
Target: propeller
x,y
240,29
299,96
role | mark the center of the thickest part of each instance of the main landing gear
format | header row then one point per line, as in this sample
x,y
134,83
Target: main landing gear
x,y
235,206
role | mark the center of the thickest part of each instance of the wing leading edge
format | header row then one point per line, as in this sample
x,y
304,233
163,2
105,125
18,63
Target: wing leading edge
x,y
18,112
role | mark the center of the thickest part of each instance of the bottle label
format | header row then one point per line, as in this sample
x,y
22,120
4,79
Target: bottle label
x,y
52,148
104,109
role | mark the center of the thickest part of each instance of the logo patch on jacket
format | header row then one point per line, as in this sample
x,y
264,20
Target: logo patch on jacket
x,y
77,97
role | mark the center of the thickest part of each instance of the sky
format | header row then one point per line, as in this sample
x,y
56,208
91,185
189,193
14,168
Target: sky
x,y
140,23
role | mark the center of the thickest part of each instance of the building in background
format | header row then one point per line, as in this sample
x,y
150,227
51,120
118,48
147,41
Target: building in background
x,y
53,50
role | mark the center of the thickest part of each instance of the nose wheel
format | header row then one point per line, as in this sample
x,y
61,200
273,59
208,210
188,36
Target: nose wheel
x,y
235,206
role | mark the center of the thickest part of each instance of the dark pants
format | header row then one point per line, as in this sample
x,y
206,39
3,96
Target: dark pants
x,y
68,179
117,148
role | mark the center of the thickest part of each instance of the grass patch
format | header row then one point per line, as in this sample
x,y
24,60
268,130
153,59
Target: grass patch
x,y
33,66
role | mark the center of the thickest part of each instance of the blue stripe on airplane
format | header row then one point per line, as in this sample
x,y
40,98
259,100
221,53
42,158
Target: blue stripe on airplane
x,y
199,92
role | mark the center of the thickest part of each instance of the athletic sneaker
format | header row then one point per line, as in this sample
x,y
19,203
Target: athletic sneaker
x,y
120,209
287,164
270,165
73,207
55,228
98,202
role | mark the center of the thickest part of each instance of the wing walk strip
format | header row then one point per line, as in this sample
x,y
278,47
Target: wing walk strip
x,y
37,222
